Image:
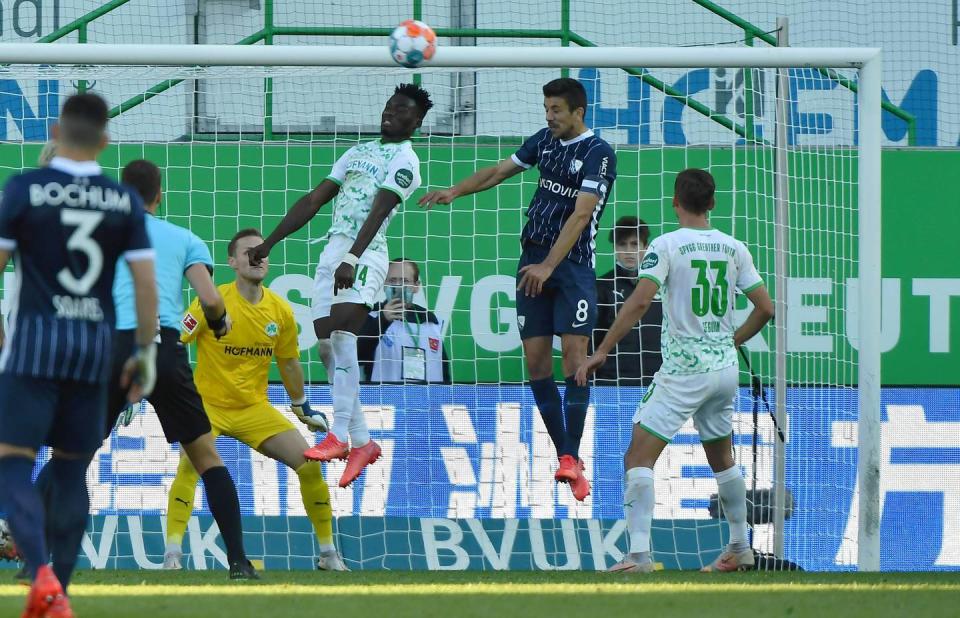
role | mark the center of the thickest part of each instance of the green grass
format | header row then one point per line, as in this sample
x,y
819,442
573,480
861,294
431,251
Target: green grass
x,y
379,594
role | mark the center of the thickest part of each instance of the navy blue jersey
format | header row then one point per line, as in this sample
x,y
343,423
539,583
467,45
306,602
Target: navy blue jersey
x,y
567,167
66,226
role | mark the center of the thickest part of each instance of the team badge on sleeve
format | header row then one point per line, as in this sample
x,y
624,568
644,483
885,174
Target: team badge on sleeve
x,y
189,323
649,261
403,178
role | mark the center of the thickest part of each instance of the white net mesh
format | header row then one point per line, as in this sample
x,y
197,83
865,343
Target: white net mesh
x,y
467,474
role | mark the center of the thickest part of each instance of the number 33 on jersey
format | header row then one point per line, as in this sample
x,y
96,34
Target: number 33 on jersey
x,y
698,271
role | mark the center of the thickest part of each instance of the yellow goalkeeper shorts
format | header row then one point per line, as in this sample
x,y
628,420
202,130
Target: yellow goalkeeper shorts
x,y
252,425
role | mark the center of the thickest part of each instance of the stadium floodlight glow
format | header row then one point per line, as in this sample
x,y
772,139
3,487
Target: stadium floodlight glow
x,y
237,149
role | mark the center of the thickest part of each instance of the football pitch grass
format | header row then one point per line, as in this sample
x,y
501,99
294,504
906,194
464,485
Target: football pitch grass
x,y
381,594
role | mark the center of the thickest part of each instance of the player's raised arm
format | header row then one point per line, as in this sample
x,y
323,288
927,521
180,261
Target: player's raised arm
x,y
481,180
299,215
211,303
633,309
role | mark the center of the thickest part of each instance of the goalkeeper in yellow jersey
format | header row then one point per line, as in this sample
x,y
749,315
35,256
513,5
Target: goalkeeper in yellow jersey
x,y
231,375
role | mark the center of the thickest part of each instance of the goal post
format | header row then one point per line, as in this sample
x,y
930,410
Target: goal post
x,y
487,457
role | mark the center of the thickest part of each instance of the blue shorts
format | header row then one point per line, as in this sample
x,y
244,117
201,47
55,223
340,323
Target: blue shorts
x,y
566,306
63,414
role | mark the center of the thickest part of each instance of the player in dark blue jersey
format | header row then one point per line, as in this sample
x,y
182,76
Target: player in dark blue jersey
x,y
65,227
556,279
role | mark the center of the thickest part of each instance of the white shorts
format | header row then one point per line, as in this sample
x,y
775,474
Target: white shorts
x,y
673,399
369,275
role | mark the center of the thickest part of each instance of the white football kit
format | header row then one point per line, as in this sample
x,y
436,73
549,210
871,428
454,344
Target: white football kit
x,y
698,271
361,172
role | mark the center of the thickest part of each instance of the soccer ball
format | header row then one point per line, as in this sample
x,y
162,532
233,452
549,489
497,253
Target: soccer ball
x,y
8,549
412,43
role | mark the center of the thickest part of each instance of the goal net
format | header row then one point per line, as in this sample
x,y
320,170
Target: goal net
x,y
466,478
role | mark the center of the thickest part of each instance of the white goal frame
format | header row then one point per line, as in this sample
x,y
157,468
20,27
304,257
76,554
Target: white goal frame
x,y
866,60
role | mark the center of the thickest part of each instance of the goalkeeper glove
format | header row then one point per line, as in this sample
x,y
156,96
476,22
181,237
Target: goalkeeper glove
x,y
146,376
126,416
221,326
316,421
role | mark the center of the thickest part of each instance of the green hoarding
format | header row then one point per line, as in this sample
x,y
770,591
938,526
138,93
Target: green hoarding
x,y
468,253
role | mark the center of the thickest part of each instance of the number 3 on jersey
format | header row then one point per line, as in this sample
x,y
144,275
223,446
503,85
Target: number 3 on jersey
x,y
82,240
708,297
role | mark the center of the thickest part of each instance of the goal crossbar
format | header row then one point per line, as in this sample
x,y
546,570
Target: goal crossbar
x,y
446,57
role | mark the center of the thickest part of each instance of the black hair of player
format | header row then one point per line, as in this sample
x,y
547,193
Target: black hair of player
x,y
418,95
568,89
694,189
83,120
630,227
143,176
413,265
244,233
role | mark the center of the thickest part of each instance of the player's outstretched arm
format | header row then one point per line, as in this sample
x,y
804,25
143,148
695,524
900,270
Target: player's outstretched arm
x,y
481,180
383,204
299,215
214,309
630,314
141,368
533,276
758,318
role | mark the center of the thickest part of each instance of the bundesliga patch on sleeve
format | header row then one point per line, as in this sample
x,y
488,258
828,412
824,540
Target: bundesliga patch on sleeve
x,y
403,178
649,261
190,323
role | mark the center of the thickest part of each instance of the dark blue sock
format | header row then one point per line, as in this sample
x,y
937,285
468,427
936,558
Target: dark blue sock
x,y
24,509
222,500
576,399
547,396
67,518
43,488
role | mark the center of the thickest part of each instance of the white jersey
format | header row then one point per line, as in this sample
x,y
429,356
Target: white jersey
x,y
698,271
361,172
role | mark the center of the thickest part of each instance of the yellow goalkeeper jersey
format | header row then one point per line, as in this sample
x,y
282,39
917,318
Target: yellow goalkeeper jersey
x,y
232,372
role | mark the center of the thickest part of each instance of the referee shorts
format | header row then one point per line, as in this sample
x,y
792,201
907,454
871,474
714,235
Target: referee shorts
x,y
175,397
252,425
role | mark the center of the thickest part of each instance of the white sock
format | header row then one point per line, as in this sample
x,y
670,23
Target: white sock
x,y
325,350
172,548
733,498
346,381
638,502
325,547
359,434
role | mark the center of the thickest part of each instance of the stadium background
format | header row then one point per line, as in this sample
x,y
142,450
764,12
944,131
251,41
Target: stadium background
x,y
207,154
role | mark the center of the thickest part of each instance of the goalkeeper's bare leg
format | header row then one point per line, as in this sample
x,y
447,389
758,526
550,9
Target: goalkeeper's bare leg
x,y
288,447
349,436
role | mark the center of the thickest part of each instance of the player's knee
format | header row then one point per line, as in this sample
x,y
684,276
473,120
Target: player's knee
x,y
203,453
325,350
539,367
